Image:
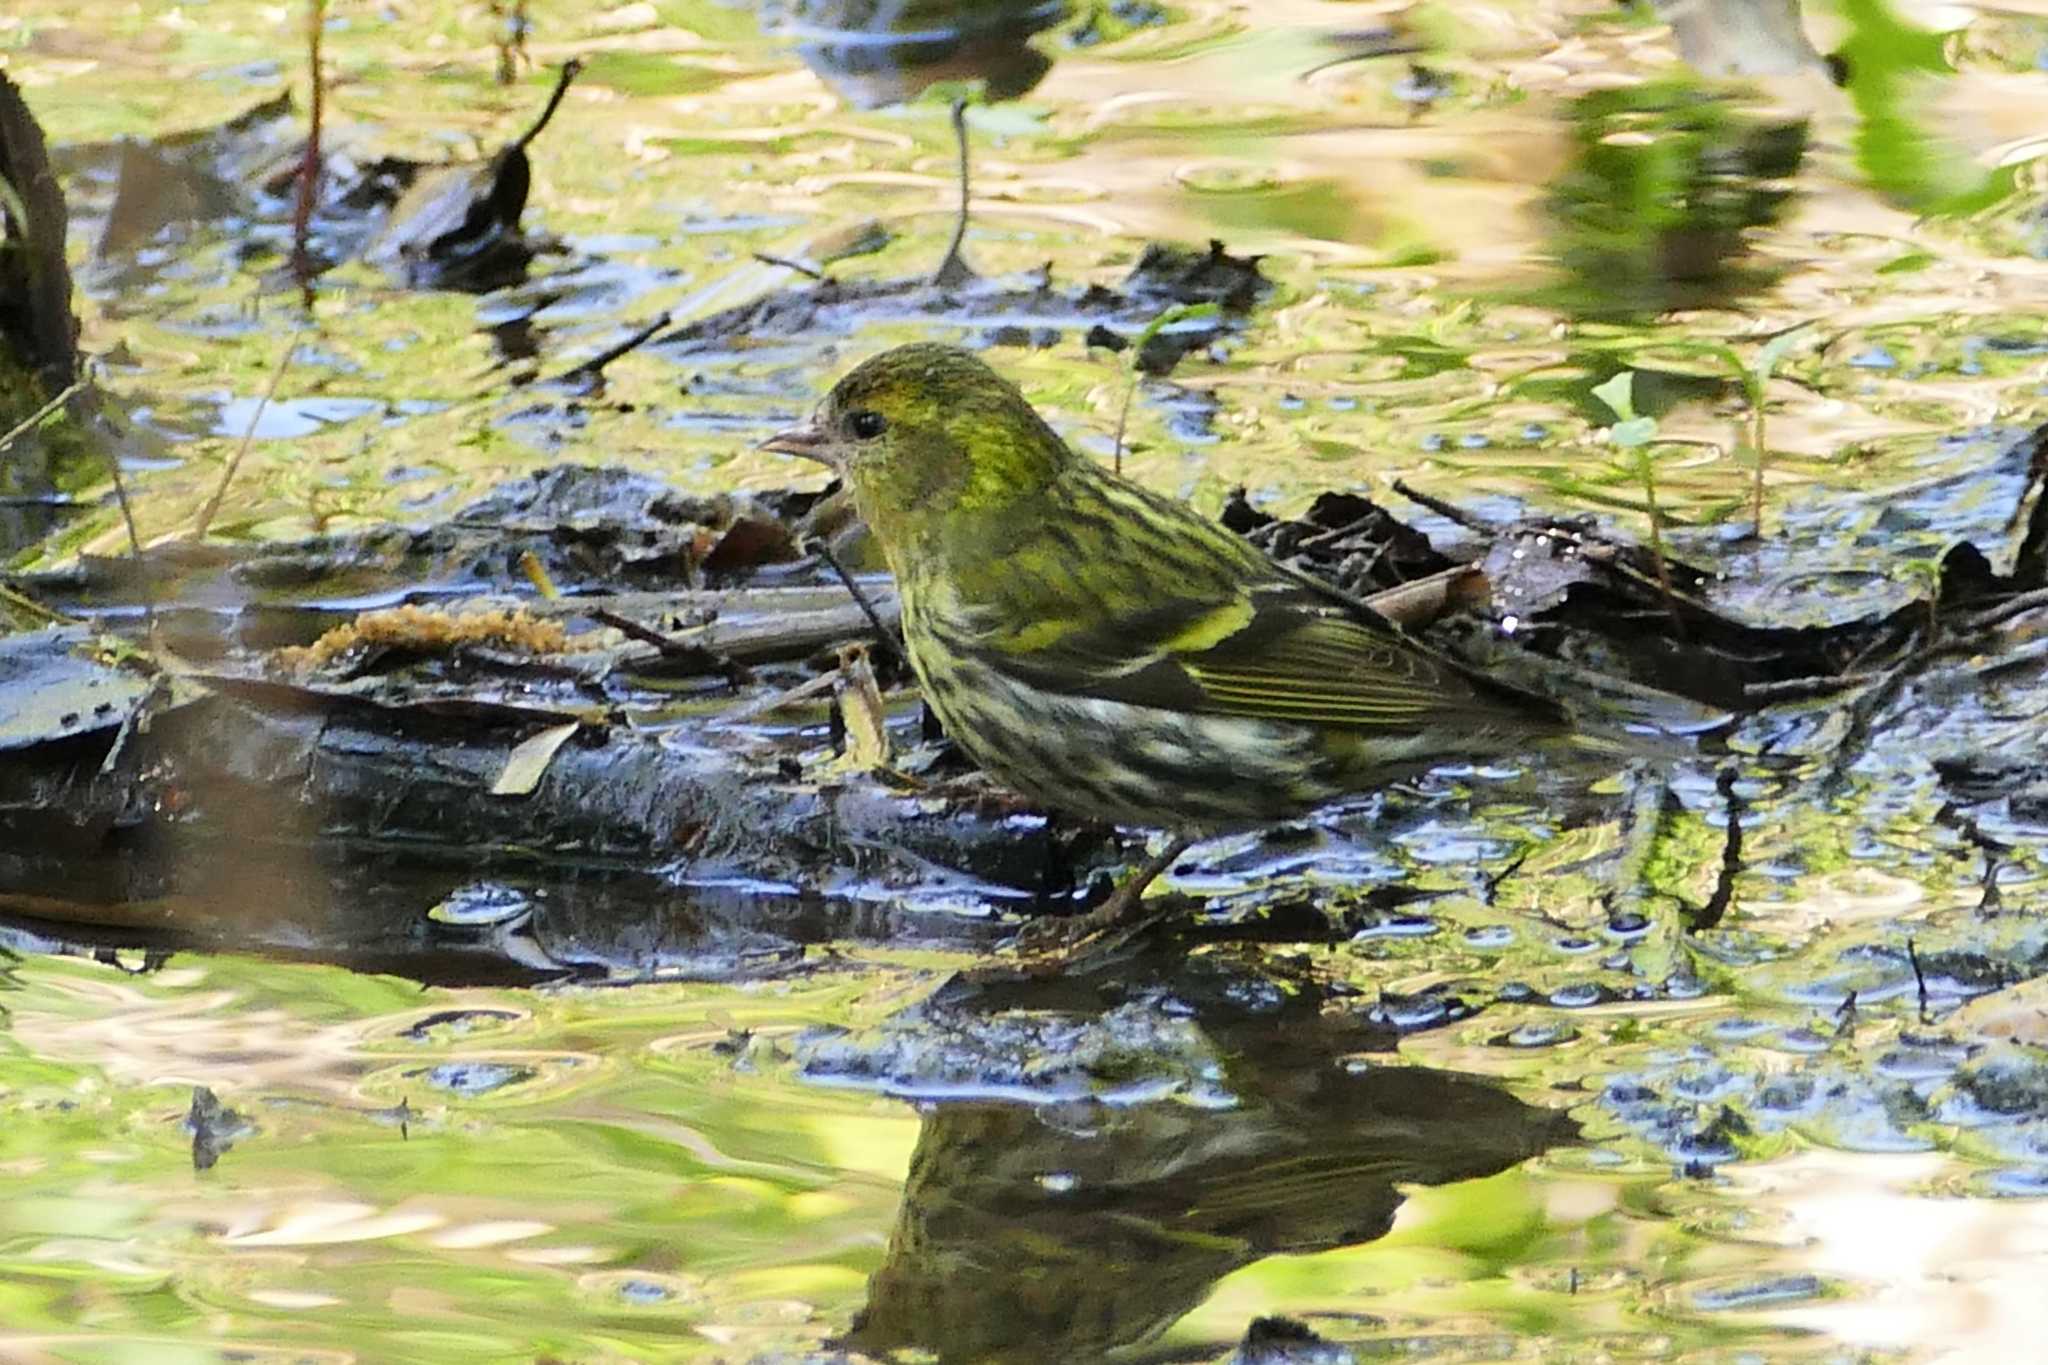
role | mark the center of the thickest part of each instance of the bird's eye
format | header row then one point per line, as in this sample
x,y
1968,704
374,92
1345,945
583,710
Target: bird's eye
x,y
866,425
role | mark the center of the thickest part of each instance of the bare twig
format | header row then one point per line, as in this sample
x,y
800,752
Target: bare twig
x,y
746,626
570,70
1450,511
204,522
885,637
594,367
685,650
29,606
791,263
309,168
953,268
789,696
2004,611
1801,689
40,413
128,520
1350,528
127,512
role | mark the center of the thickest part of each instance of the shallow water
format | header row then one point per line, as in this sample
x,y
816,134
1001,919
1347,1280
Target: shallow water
x,y
1499,1112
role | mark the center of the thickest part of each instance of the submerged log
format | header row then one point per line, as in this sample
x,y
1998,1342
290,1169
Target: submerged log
x,y
255,813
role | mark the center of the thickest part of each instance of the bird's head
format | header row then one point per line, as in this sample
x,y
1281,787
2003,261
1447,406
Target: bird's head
x,y
930,439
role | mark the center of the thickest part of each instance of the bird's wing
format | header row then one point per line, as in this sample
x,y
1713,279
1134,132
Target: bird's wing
x,y
1280,649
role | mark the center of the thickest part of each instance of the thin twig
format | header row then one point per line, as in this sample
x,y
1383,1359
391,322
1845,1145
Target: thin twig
x,y
670,648
885,637
953,270
127,512
1864,710
309,167
1350,528
40,413
204,521
594,366
2004,611
128,519
1800,689
1392,49
24,603
149,588
791,263
1448,510
568,73
789,696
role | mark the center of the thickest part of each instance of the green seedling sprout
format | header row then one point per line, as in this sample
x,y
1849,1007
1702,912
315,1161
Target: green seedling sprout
x,y
1182,312
1635,433
1756,379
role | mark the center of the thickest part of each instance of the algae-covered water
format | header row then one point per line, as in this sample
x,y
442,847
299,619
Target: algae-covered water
x,y
1439,1075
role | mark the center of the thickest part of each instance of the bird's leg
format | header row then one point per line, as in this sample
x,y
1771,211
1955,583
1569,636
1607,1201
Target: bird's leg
x,y
953,269
1056,873
1123,910
1124,902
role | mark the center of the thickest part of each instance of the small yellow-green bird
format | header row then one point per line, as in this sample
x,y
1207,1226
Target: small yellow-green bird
x,y
1107,651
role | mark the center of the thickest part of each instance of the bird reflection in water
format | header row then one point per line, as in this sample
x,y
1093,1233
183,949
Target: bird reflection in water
x,y
1066,1231
877,52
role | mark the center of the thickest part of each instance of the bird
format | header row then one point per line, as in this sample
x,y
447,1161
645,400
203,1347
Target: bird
x,y
1106,651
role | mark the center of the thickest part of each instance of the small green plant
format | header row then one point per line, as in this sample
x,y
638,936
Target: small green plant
x,y
1634,433
1752,371
1181,312
1756,379
1923,577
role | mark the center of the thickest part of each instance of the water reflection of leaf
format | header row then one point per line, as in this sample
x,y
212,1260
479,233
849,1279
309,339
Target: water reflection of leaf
x,y
1667,180
1895,71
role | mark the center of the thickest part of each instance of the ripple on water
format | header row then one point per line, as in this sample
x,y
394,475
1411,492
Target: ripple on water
x,y
1748,1294
284,419
470,1079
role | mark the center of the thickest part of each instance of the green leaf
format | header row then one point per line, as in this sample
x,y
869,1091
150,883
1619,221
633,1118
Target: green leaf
x,y
1636,431
1910,263
1180,312
1774,351
1618,394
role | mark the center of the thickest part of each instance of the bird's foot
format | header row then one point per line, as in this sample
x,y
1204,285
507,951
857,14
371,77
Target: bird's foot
x,y
1058,947
1052,946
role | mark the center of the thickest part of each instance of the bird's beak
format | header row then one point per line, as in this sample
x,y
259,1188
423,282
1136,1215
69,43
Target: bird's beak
x,y
808,441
